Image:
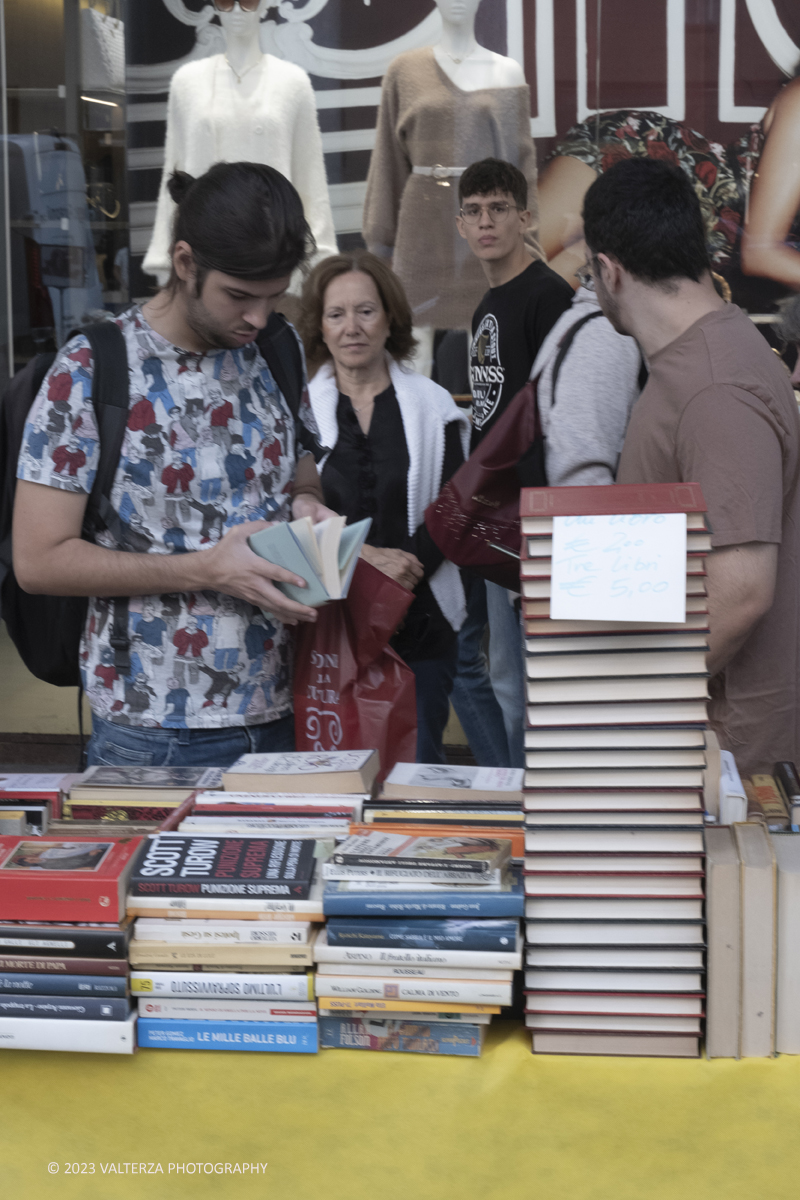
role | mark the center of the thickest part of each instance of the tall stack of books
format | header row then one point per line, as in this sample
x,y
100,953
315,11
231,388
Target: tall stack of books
x,y
421,941
63,944
615,753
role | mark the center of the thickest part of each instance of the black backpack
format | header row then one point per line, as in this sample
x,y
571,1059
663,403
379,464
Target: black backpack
x,y
46,630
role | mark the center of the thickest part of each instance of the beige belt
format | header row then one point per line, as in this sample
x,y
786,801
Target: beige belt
x,y
439,173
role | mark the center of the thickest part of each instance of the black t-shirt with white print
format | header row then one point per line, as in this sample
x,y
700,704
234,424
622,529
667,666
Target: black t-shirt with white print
x,y
508,327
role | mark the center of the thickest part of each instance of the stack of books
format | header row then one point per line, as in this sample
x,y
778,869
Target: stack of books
x,y
431,799
615,754
146,795
421,942
232,972
63,944
29,802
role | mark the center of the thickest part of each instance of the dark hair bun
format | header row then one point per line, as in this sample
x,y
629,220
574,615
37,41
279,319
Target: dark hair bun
x,y
178,185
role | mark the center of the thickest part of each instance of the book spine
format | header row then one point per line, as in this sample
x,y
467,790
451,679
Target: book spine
x,y
225,1010
620,498
401,1037
76,942
85,1037
64,966
85,903
431,991
450,866
290,889
291,911
334,871
507,960
253,934
62,985
153,953
83,1008
81,811
447,904
187,984
345,1004
448,937
277,1037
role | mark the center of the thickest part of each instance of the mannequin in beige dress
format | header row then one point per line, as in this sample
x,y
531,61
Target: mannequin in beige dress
x,y
443,108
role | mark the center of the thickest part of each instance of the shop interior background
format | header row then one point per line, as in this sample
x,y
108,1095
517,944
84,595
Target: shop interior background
x,y
85,85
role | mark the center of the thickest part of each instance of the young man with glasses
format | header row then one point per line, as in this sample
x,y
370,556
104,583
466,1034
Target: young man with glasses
x,y
524,300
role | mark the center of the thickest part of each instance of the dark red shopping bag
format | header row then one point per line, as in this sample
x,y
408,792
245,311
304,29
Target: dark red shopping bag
x,y
351,690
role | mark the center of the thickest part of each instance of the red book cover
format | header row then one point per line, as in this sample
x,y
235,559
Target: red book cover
x,y
65,878
612,499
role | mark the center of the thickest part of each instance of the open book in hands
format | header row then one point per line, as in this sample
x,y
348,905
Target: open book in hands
x,y
325,555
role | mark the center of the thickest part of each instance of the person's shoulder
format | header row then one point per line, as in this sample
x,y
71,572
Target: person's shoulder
x,y
544,283
432,396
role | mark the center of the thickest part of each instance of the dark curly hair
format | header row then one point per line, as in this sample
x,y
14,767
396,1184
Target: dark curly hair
x,y
400,342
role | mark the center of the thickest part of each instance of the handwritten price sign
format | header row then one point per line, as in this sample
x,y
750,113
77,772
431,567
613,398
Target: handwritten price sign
x,y
624,568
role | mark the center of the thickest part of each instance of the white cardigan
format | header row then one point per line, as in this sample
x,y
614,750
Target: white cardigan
x,y
425,409
271,117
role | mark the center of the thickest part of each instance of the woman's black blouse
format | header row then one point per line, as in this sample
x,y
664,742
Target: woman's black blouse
x,y
366,475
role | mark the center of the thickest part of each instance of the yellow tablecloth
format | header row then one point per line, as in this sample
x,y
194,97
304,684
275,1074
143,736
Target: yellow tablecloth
x,y
355,1125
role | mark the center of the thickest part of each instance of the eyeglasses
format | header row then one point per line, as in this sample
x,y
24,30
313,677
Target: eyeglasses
x,y
585,275
498,210
228,5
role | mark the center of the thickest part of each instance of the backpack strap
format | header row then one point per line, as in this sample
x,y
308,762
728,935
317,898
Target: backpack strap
x,y
281,351
110,400
563,349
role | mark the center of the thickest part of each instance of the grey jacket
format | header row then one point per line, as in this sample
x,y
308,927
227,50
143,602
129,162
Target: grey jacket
x,y
596,388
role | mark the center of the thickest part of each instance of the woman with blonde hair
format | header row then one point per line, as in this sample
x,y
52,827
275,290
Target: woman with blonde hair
x,y
394,439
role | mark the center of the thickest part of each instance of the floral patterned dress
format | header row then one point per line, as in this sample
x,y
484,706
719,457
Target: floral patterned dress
x,y
721,175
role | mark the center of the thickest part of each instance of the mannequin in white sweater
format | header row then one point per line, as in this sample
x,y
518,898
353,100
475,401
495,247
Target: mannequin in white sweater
x,y
243,105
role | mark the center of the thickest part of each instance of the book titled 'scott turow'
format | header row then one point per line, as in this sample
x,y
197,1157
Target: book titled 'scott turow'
x,y
173,865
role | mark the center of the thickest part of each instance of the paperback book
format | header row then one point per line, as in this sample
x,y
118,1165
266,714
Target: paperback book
x,y
229,867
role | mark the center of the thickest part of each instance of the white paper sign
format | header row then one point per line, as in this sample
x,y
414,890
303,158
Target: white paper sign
x,y
619,568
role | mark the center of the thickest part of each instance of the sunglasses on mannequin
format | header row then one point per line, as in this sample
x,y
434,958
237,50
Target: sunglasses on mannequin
x,y
229,5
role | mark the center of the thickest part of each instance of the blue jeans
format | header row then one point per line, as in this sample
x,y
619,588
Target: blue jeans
x,y
473,696
132,746
507,668
434,678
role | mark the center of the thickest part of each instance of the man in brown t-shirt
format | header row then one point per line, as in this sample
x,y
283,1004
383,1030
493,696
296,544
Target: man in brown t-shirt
x,y
718,409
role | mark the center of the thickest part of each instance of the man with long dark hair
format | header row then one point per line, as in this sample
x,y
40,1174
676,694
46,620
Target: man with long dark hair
x,y
239,234
718,409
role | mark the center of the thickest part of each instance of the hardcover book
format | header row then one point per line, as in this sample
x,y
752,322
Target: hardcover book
x,y
422,934
75,879
329,772
142,785
356,898
401,1037
453,857
431,781
65,1008
85,1036
91,941
223,867
176,1008
277,1037
222,985
53,984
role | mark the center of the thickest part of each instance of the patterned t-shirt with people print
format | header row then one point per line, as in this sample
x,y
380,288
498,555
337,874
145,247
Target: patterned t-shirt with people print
x,y
210,444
